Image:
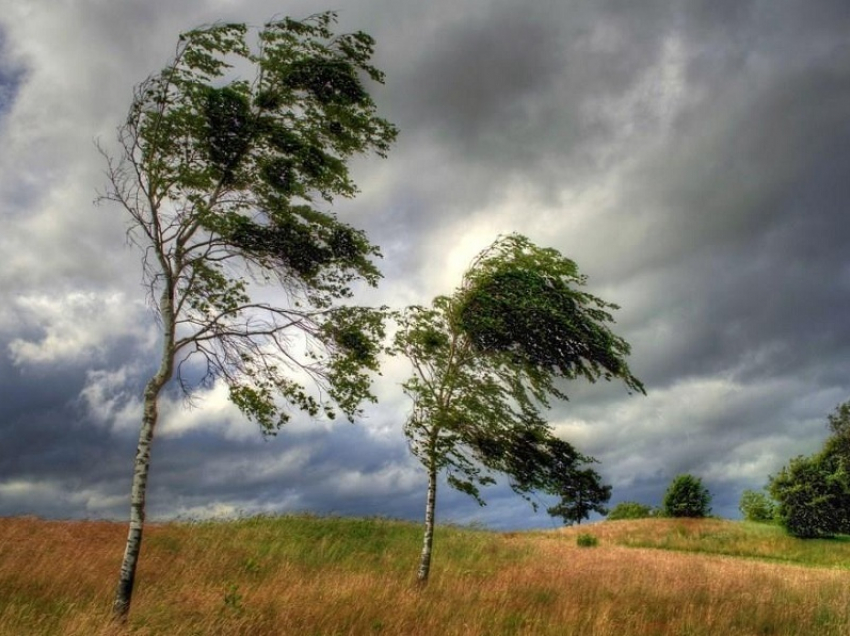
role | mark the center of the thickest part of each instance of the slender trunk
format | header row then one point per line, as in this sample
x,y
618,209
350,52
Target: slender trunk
x,y
428,540
141,467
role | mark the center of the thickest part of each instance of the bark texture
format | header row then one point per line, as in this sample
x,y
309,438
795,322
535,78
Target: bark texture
x,y
141,466
428,540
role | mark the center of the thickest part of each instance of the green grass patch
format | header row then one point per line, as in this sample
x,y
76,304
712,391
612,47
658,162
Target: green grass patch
x,y
743,539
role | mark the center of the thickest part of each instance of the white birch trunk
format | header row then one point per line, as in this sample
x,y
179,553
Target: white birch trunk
x,y
141,467
428,540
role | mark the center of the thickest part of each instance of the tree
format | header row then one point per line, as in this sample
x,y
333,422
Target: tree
x,y
837,444
809,505
687,497
488,358
757,506
224,180
813,493
582,492
630,510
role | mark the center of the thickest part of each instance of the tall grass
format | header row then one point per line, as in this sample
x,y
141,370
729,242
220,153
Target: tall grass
x,y
763,541
319,576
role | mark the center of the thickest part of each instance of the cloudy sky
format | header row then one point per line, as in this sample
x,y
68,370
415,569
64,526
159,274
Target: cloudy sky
x,y
692,157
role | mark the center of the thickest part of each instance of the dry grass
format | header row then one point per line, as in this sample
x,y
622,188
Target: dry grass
x,y
301,575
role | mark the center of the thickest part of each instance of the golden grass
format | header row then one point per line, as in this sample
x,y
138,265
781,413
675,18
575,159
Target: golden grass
x,y
319,576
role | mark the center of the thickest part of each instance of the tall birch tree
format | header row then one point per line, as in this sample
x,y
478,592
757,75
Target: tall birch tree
x,y
488,359
229,160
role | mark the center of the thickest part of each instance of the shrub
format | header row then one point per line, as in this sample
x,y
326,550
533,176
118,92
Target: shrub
x,y
757,506
813,493
813,497
687,497
587,541
630,510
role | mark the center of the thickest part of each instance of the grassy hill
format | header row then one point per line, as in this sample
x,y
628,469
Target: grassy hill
x,y
317,576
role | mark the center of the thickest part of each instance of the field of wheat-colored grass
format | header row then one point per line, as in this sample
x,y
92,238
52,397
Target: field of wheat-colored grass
x,y
317,576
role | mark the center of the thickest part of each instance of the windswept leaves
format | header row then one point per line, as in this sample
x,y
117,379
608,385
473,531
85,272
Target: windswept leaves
x,y
485,363
226,153
525,302
355,336
220,176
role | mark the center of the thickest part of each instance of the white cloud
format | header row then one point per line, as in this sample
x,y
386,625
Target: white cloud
x,y
77,327
56,495
209,410
712,426
109,401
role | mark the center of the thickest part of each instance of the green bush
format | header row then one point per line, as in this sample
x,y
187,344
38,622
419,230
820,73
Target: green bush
x,y
630,510
813,493
757,506
586,541
813,496
687,497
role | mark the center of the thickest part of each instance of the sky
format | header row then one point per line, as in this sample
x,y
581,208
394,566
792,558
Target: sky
x,y
692,157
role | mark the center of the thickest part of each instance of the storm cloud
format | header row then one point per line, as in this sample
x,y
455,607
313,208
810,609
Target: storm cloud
x,y
691,157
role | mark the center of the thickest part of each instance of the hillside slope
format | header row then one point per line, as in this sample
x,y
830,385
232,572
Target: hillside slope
x,y
307,575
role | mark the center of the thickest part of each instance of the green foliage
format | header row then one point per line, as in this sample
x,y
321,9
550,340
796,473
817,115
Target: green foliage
x,y
839,421
813,493
630,510
757,506
479,383
837,445
687,497
227,181
581,492
524,303
233,599
586,541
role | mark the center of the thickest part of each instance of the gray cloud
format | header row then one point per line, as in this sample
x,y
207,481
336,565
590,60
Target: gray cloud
x,y
690,156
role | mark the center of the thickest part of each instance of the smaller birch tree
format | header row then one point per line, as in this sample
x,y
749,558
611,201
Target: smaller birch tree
x,y
487,359
225,180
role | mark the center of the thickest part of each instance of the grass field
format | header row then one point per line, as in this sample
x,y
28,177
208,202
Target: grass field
x,y
317,576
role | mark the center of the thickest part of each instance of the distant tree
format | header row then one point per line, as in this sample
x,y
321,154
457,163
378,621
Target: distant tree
x,y
538,462
687,497
487,359
581,493
813,493
808,506
630,510
224,180
757,506
812,496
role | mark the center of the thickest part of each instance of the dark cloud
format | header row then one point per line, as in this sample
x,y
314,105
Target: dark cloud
x,y
12,74
473,82
690,156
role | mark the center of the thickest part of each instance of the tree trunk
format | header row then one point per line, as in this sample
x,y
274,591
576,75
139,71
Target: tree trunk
x,y
141,466
428,541
124,592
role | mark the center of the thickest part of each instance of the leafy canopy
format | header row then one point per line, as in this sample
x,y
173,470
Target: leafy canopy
x,y
525,305
229,158
757,506
488,358
813,493
687,497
